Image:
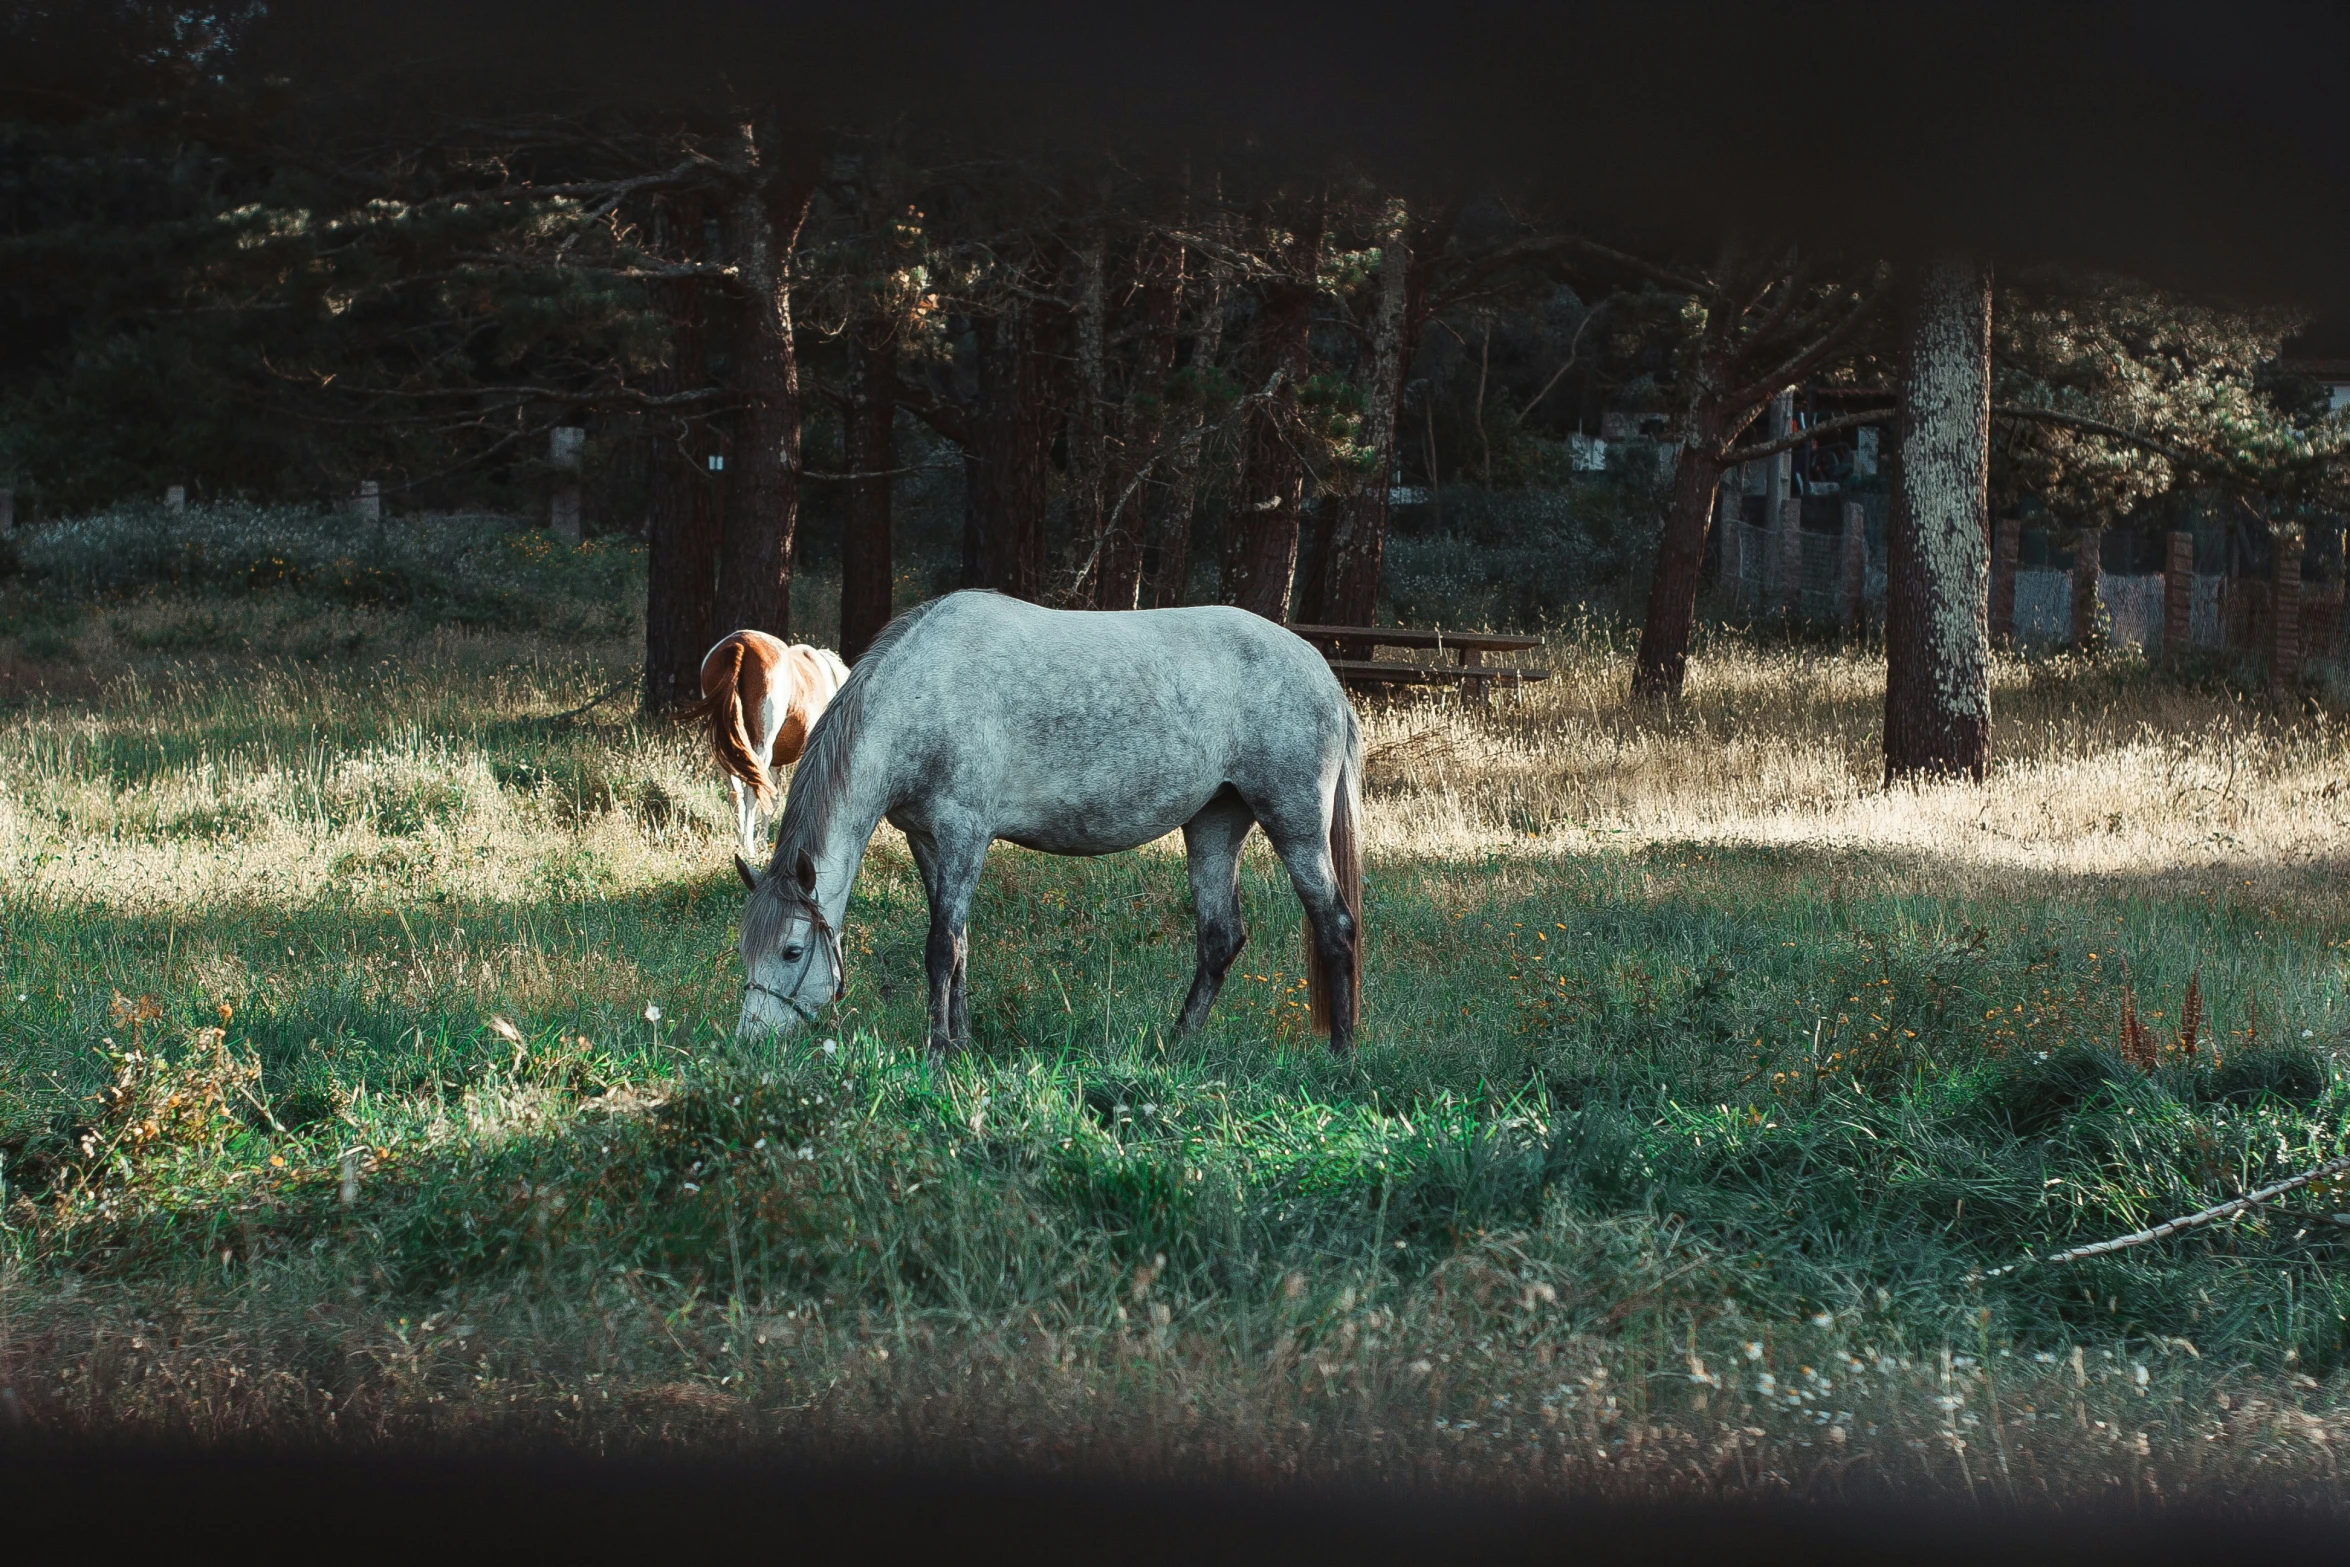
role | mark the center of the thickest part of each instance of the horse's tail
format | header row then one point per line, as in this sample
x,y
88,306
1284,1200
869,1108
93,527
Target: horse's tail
x,y
730,735
1346,867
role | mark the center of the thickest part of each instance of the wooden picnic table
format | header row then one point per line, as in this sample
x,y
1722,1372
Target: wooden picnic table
x,y
1469,669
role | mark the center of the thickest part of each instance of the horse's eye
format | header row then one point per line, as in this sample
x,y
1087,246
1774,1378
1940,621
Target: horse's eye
x,y
792,953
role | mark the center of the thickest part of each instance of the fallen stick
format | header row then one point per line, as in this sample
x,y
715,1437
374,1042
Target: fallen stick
x,y
2171,1227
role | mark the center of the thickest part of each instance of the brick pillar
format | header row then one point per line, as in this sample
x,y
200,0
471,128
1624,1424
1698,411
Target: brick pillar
x,y
1852,582
2087,568
2284,609
2178,595
2007,547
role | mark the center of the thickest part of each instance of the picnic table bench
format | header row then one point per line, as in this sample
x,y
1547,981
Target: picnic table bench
x,y
1469,669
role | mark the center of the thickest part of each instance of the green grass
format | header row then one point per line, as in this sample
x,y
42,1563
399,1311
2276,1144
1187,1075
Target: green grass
x,y
1669,1166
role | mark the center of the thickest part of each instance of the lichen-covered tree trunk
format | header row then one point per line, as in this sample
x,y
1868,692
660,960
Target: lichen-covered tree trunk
x,y
1358,531
763,493
1663,662
1937,548
866,557
1359,538
1261,533
681,542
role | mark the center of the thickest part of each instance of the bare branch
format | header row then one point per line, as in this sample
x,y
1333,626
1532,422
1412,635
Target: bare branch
x,y
1785,442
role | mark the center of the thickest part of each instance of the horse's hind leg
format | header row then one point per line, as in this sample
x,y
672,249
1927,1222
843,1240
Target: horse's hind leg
x,y
746,817
1212,840
1302,839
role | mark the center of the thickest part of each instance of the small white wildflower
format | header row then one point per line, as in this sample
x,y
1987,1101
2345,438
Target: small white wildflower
x,y
2309,1033
2138,1373
1753,1350
652,1012
691,1187
1822,1319
1150,1110
20,995
1767,1385
807,1151
759,1146
830,1046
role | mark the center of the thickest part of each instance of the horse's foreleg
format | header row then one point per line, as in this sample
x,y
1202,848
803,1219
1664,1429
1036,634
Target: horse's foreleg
x,y
950,875
1211,842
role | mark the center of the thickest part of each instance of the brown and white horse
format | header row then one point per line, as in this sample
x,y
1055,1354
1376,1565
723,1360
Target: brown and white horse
x,y
762,698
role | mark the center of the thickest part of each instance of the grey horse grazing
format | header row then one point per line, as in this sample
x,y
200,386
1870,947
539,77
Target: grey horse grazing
x,y
978,717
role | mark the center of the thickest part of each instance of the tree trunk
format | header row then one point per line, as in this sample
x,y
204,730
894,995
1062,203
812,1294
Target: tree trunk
x,y
763,495
1663,661
1358,536
866,562
1175,512
1013,440
681,540
1260,546
1358,531
1118,585
1937,610
1087,432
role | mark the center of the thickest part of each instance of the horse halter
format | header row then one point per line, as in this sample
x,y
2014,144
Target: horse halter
x,y
821,927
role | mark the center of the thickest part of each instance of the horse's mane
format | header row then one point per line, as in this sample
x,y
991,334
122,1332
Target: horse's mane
x,y
823,770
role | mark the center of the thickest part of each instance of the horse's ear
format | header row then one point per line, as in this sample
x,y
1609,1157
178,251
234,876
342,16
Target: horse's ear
x,y
742,868
807,870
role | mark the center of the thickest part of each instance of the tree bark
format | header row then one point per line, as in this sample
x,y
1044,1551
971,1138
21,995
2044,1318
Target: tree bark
x,y
1663,661
1131,498
1011,458
1175,517
1088,434
1358,530
763,495
1937,610
1260,547
681,543
866,558
1358,536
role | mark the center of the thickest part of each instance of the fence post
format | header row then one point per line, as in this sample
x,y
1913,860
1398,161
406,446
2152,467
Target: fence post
x,y
2007,549
1730,522
370,505
1782,588
1852,583
2178,595
175,498
7,511
2284,609
564,444
2088,566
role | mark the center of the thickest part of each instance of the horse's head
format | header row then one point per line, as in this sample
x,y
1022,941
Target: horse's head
x,y
792,966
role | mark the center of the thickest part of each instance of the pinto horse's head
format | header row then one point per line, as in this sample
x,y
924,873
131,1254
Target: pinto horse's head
x,y
792,966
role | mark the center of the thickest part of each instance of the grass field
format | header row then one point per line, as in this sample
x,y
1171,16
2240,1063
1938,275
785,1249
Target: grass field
x,y
364,1076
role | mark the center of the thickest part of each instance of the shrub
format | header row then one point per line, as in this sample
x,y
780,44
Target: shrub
x,y
464,569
